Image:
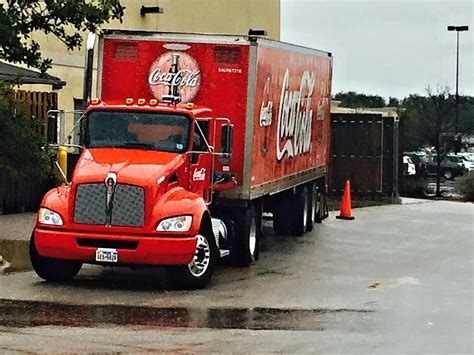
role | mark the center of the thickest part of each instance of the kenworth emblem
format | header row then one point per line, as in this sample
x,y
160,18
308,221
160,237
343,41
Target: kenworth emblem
x,y
110,182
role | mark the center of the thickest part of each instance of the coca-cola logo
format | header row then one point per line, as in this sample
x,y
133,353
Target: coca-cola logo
x,y
295,117
175,73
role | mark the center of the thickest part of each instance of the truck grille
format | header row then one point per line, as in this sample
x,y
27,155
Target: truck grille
x,y
128,205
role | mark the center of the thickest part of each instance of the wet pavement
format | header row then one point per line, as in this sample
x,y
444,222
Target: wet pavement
x,y
397,279
21,314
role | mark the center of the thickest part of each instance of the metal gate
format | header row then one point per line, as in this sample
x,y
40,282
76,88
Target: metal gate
x,y
364,149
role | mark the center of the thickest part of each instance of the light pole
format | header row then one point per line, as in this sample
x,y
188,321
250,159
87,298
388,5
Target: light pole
x,y
457,29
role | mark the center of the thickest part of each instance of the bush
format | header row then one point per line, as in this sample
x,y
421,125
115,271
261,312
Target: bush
x,y
411,187
23,151
465,186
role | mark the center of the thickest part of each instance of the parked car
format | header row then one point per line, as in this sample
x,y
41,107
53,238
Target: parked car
x,y
409,168
451,166
468,160
420,162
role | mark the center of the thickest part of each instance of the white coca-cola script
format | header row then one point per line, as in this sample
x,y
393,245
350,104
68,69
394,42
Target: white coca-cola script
x,y
295,117
183,77
175,72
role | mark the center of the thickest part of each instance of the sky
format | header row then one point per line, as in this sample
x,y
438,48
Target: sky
x,y
386,47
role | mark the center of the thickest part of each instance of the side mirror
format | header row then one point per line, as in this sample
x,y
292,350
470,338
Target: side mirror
x,y
227,132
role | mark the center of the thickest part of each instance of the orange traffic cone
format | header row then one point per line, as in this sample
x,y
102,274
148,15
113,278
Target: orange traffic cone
x,y
346,203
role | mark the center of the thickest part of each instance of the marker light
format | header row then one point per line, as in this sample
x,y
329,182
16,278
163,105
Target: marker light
x,y
141,101
153,102
95,101
189,105
129,101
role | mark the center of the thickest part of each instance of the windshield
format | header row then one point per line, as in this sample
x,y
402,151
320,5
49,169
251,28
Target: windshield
x,y
139,130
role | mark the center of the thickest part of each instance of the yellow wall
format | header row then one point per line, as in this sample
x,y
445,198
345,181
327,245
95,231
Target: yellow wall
x,y
208,16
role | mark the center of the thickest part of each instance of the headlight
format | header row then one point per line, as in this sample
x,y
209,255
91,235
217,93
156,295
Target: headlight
x,y
175,224
46,216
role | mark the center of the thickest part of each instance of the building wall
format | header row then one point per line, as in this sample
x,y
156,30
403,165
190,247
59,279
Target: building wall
x,y
208,16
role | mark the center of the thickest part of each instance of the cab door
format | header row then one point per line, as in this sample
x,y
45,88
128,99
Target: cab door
x,y
201,160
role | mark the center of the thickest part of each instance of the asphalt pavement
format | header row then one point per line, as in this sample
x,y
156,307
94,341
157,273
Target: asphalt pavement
x,y
398,279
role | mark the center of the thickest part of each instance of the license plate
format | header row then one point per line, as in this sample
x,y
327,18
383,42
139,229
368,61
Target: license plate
x,y
106,255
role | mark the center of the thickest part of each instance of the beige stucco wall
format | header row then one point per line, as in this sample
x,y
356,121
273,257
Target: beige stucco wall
x,y
208,16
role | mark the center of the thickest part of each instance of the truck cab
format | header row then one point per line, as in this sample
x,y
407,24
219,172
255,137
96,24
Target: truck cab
x,y
152,206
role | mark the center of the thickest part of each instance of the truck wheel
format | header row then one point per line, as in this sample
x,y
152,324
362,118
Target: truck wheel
x,y
245,245
198,272
300,206
315,204
53,270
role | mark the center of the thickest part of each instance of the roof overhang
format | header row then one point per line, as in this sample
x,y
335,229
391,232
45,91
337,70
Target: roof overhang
x,y
19,75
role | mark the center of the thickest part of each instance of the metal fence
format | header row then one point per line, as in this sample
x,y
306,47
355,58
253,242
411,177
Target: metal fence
x,y
364,149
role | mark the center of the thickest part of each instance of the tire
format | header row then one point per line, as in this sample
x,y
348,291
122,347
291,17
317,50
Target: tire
x,y
448,174
198,272
246,239
300,211
314,207
52,270
323,211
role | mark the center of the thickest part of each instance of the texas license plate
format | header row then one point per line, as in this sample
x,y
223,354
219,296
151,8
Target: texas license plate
x,y
106,255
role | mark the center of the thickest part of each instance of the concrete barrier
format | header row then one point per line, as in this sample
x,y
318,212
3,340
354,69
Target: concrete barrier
x,y
15,232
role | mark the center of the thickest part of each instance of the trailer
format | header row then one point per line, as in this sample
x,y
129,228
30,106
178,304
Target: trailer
x,y
192,138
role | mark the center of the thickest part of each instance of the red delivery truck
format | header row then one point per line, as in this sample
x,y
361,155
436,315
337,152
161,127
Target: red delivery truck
x,y
193,137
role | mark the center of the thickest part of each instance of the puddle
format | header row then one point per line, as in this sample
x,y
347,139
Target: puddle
x,y
394,283
32,314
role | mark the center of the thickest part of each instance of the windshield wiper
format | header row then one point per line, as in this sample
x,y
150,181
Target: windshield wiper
x,y
136,145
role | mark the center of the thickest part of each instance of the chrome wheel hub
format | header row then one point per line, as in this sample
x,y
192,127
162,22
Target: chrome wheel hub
x,y
202,257
305,212
252,237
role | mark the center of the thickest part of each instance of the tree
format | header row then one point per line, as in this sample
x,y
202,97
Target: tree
x,y
424,120
63,19
23,149
393,102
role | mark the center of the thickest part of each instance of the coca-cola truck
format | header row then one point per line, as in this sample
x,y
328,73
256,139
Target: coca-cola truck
x,y
192,139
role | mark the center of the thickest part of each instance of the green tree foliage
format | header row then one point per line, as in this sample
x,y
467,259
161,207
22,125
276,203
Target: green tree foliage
x,y
424,119
23,149
393,102
63,19
466,115
356,100
465,186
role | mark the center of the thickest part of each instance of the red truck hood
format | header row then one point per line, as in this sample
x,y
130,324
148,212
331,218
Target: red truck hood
x,y
132,166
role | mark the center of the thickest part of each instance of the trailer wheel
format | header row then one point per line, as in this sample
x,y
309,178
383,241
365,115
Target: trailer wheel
x,y
323,211
198,272
314,210
300,207
53,270
246,239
